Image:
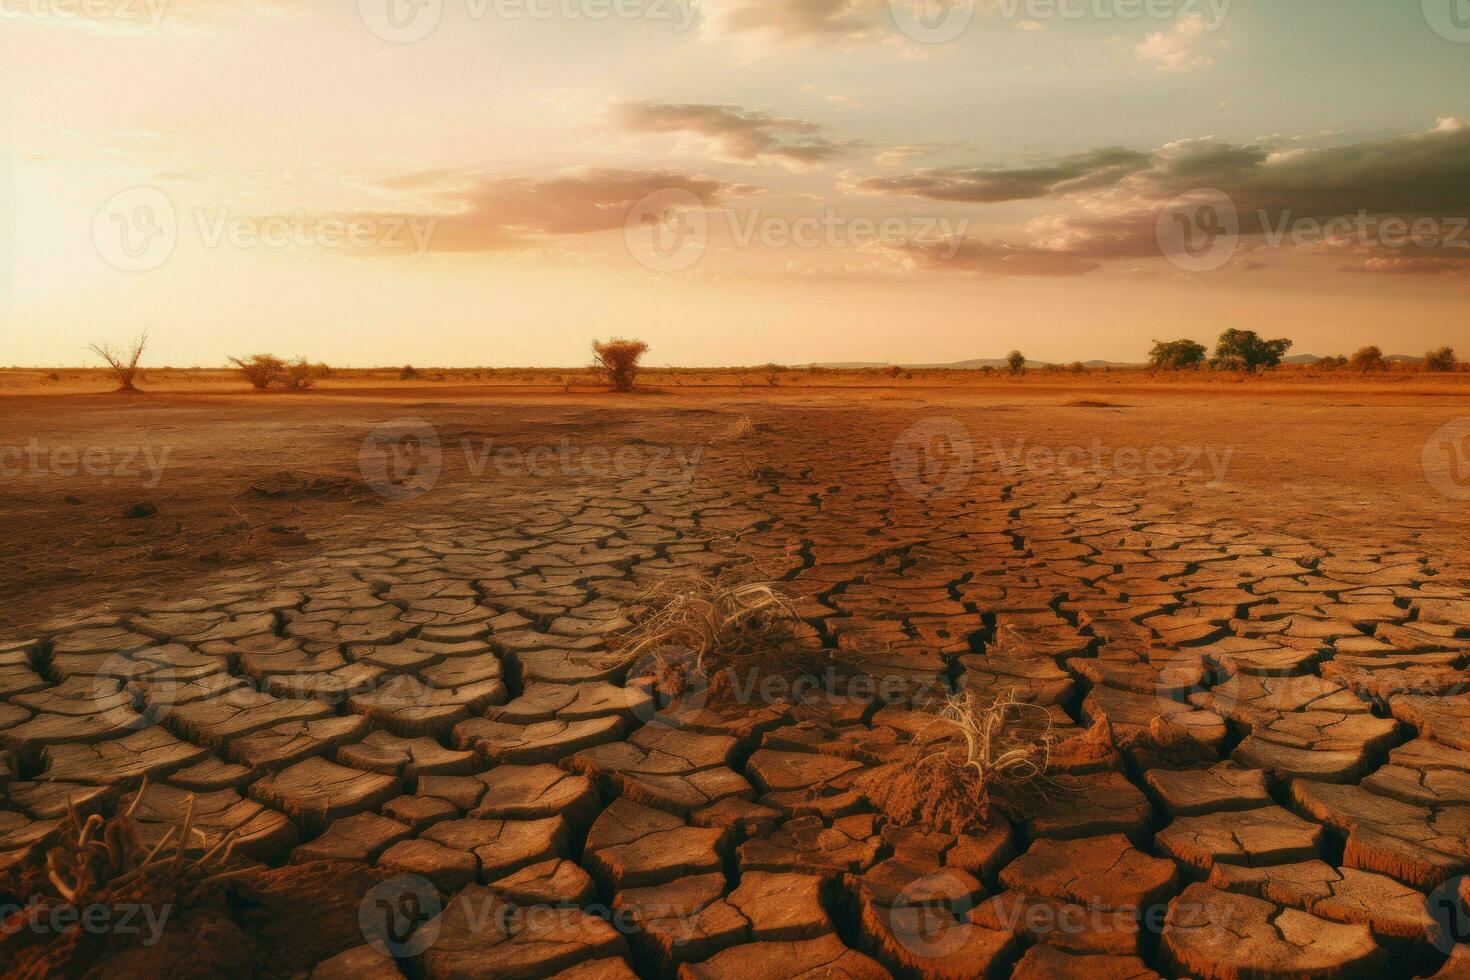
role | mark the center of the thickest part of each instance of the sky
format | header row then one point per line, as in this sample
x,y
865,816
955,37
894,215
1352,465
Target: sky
x,y
498,182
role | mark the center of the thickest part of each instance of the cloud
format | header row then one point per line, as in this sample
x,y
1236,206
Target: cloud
x,y
998,258
485,214
1184,48
1080,171
736,134
784,23
1116,198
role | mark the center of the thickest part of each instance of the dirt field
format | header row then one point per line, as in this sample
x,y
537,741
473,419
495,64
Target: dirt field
x,y
370,623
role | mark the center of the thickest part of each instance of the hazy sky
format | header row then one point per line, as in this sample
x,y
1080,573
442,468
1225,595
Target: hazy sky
x,y
496,182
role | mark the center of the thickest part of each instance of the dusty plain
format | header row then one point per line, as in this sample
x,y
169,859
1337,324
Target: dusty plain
x,y
1254,584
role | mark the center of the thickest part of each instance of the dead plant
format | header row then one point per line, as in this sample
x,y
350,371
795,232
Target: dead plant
x,y
124,363
108,854
976,753
694,630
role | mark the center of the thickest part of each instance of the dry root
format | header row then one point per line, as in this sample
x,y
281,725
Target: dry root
x,y
973,756
109,854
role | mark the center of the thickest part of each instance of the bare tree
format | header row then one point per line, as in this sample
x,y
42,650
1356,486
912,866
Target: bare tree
x,y
124,363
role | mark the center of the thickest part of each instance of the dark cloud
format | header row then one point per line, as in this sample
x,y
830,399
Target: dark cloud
x,y
739,134
1071,174
1118,196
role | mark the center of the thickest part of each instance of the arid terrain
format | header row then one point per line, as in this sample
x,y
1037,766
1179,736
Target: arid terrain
x,y
370,624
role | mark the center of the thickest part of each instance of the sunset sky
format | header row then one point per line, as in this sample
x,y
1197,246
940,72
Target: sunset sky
x,y
958,187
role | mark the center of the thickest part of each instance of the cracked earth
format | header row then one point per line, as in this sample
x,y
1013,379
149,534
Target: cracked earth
x,y
1260,683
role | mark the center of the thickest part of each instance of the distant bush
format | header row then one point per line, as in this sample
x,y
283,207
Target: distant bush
x,y
1177,355
1244,350
407,373
300,374
1367,359
894,371
1077,367
1440,360
618,359
1016,362
261,370
268,371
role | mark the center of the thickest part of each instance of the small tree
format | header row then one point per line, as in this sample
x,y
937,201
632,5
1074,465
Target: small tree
x,y
124,363
1244,350
261,370
1176,355
617,359
1367,359
1016,362
1440,360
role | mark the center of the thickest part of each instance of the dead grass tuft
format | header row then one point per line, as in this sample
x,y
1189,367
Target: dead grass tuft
x,y
694,631
974,755
743,428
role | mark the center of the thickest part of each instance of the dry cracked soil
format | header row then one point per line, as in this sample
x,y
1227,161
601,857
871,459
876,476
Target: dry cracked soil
x,y
1264,663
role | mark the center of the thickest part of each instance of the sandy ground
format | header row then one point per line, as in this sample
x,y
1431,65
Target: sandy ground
x,y
372,625
240,477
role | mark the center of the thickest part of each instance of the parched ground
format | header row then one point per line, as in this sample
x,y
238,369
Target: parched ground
x,y
1258,591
